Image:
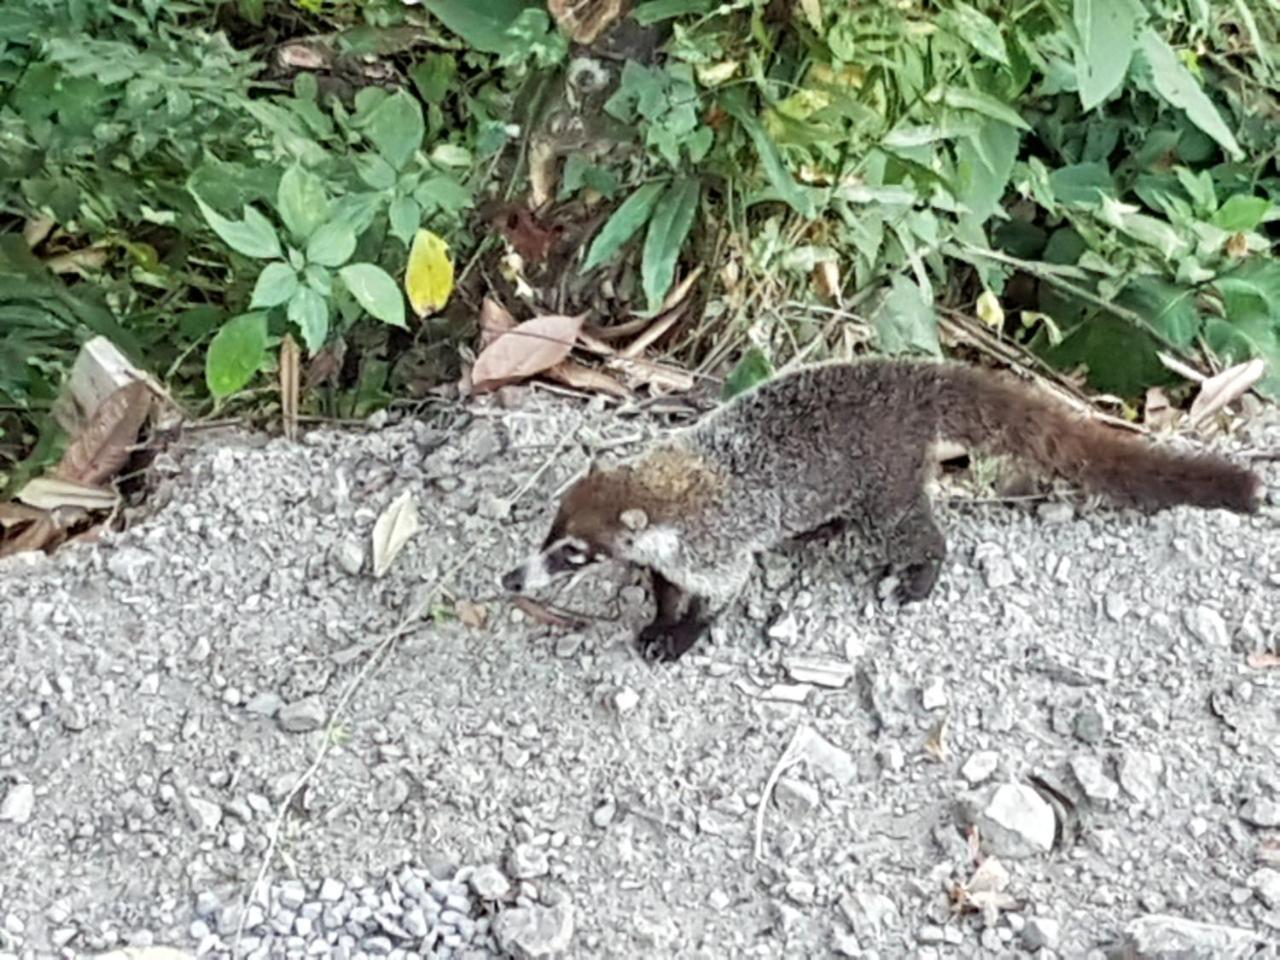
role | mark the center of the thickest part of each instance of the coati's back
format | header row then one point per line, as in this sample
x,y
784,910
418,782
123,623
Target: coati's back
x,y
798,450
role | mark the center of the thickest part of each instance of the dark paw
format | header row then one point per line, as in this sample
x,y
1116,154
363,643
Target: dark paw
x,y
667,642
917,581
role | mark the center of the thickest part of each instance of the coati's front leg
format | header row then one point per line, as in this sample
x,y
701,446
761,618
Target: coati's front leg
x,y
914,544
680,622
684,615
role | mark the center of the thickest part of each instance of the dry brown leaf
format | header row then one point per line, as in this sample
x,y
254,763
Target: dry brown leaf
x,y
325,365
532,239
936,745
680,291
32,529
1237,245
546,615
470,614
1158,412
78,261
495,320
103,446
542,179
584,20
656,376
527,349
290,361
392,531
581,377
659,327
36,229
1263,660
826,278
1229,385
52,493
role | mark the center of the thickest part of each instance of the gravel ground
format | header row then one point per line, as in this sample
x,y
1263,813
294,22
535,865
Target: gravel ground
x,y
1078,688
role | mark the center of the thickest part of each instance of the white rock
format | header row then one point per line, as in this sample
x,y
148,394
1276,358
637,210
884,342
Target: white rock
x,y
1017,822
1160,935
528,932
934,695
18,804
1266,884
1041,932
1097,786
980,766
1207,626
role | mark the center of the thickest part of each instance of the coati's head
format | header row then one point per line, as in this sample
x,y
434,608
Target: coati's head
x,y
601,517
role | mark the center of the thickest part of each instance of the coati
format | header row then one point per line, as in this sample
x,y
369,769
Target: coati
x,y
831,442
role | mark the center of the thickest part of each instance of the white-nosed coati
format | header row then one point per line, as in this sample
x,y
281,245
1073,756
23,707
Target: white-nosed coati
x,y
830,442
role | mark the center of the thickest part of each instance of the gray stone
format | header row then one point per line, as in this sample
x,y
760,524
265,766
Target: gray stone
x,y
18,804
205,815
1265,882
1041,932
1165,937
301,716
264,704
1261,813
1140,774
1017,822
331,890
489,883
1097,786
980,766
528,932
526,862
1207,626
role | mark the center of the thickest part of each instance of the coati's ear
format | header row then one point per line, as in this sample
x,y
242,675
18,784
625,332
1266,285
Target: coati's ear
x,y
634,520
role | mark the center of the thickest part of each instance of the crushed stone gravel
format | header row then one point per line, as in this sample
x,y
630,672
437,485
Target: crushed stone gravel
x,y
500,786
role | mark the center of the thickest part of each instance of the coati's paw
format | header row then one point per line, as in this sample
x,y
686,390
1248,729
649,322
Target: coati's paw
x,y
916,581
668,642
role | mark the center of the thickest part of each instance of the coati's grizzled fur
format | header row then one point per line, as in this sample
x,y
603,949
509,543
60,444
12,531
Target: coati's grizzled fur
x,y
831,442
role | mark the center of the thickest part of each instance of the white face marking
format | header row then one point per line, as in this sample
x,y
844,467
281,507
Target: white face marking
x,y
566,555
536,575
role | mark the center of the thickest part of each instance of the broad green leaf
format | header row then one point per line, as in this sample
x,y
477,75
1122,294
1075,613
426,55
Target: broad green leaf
x,y
276,284
672,219
753,368
1253,287
253,236
631,215
332,245
655,11
1170,309
1241,213
985,104
984,166
375,171
1175,83
374,290
1108,36
235,353
405,215
395,126
434,75
976,29
1084,184
1118,358
906,321
302,202
482,25
790,192
309,312
428,279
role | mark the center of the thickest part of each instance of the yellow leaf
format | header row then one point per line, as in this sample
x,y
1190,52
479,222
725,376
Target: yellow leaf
x,y
989,310
428,280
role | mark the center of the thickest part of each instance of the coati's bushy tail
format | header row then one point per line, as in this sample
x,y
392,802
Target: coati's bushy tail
x,y
1003,415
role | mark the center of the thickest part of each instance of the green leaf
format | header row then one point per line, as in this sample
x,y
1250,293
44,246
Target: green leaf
x,y
672,219
434,76
309,312
1084,184
253,236
405,216
395,126
964,99
655,11
630,216
235,353
482,25
1241,213
1107,33
976,29
984,165
302,201
906,320
1175,83
276,284
332,245
790,192
375,171
374,290
1170,309
753,368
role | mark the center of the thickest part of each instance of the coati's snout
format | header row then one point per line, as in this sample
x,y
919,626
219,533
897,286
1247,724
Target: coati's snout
x,y
558,556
